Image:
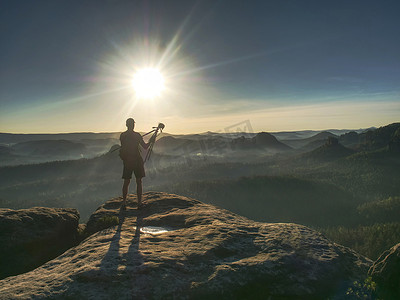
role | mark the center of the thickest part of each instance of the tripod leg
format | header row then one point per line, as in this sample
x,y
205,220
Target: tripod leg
x,y
154,136
149,152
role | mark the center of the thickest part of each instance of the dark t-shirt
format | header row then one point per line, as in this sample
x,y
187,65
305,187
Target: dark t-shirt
x,y
130,141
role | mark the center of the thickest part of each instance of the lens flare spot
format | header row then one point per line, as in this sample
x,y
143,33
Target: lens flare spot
x,y
148,83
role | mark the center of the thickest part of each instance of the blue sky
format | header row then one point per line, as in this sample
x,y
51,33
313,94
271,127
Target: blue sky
x,y
66,66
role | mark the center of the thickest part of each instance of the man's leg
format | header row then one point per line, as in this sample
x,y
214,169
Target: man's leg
x,y
139,190
125,189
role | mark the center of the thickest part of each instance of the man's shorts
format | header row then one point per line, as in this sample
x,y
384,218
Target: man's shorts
x,y
133,165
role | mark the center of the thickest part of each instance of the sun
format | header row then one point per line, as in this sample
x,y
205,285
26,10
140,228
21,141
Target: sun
x,y
148,83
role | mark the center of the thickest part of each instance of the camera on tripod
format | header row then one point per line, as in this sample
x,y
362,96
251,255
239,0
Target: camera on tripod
x,y
160,126
152,140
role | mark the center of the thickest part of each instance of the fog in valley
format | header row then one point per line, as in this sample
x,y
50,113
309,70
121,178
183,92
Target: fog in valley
x,y
344,183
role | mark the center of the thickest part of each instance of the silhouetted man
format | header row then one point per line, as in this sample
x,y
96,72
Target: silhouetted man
x,y
133,161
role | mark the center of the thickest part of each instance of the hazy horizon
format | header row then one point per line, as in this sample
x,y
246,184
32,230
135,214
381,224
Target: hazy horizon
x,y
202,132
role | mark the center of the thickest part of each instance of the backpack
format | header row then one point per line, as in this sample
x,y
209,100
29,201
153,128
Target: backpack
x,y
123,153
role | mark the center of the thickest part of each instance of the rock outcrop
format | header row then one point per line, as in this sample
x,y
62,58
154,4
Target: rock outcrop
x,y
330,151
180,248
30,237
386,273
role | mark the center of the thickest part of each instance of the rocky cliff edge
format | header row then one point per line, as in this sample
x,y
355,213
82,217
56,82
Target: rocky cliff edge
x,y
31,237
180,248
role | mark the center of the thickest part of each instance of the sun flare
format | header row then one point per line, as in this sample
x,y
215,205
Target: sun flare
x,y
148,83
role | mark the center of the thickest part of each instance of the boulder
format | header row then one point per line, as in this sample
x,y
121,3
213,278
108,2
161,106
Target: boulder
x,y
103,216
386,273
180,248
31,237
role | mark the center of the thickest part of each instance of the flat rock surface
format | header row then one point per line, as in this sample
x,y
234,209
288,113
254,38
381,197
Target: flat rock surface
x,y
30,237
180,248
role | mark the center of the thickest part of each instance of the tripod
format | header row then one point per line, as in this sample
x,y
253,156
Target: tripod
x,y
160,128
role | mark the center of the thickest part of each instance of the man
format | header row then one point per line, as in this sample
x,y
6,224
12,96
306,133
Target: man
x,y
133,162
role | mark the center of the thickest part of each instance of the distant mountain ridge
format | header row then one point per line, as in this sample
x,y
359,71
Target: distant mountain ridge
x,y
385,136
311,142
303,134
12,138
23,148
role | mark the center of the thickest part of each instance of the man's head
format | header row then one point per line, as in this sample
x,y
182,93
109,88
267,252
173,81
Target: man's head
x,y
130,123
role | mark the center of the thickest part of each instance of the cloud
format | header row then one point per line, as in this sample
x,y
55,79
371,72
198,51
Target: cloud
x,y
339,114
349,79
108,112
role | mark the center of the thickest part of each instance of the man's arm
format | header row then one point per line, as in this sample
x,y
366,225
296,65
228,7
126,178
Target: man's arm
x,y
146,145
143,144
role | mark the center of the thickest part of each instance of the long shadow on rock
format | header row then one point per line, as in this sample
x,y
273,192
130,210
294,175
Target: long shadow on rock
x,y
119,267
111,258
136,265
